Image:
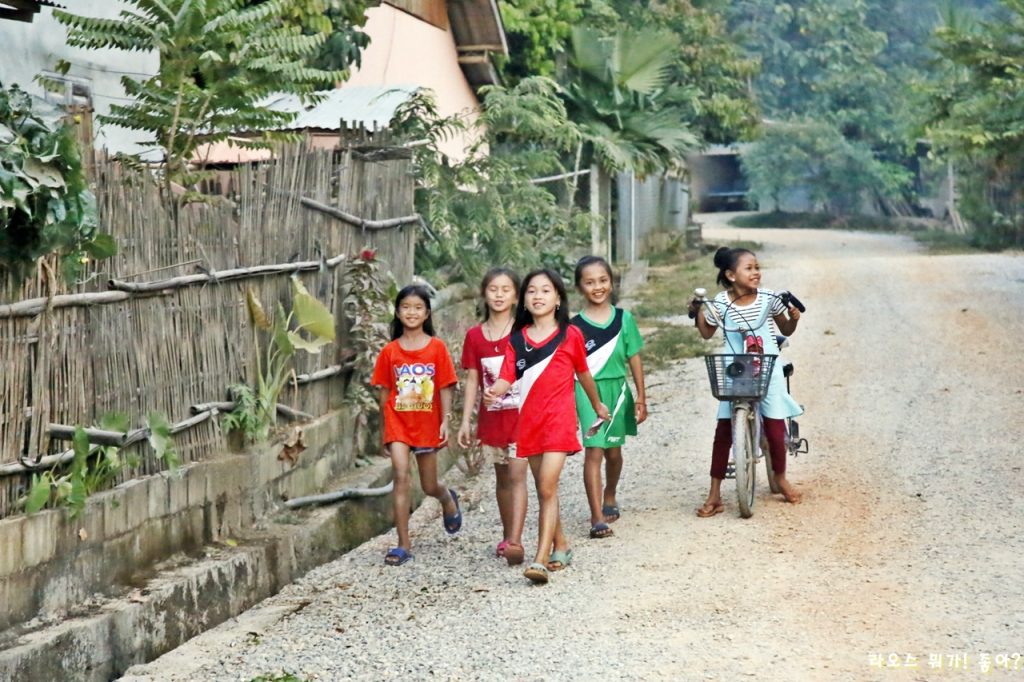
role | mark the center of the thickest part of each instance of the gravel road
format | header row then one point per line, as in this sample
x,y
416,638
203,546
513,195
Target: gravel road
x,y
908,545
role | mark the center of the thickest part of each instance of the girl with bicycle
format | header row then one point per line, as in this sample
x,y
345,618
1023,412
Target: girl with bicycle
x,y
741,305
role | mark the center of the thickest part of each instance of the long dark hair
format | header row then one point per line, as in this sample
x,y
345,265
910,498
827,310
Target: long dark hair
x,y
726,259
490,276
523,316
412,290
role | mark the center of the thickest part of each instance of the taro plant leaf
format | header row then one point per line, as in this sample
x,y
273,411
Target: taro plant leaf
x,y
312,315
256,311
161,439
281,336
308,345
39,493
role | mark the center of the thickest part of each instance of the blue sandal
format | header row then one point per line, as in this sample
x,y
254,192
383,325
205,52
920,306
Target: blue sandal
x,y
600,530
610,512
397,556
559,560
452,524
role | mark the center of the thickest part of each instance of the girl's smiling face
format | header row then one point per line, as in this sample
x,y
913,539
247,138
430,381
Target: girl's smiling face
x,y
596,284
541,296
412,312
500,294
747,275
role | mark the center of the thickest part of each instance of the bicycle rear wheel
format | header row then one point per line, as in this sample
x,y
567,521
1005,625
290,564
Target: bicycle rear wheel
x,y
744,437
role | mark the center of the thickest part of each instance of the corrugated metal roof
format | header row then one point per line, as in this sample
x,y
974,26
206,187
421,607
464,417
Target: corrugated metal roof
x,y
370,106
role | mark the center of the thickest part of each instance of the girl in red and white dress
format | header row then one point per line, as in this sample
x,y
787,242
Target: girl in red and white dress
x,y
482,355
545,354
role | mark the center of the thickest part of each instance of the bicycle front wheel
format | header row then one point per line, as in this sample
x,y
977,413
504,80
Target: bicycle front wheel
x,y
744,439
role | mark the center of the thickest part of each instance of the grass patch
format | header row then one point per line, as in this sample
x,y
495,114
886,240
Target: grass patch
x,y
670,342
942,242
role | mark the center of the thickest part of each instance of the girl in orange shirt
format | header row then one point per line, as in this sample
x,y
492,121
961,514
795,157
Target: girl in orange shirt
x,y
415,375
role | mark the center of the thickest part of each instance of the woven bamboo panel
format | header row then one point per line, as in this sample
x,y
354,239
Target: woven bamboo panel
x,y
167,351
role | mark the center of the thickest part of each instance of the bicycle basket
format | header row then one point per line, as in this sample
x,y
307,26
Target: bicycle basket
x,y
739,375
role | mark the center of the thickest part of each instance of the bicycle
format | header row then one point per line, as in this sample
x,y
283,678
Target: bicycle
x,y
743,380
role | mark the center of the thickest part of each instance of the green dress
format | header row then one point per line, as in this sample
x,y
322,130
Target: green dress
x,y
609,348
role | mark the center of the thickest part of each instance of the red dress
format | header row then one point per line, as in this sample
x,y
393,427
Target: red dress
x,y
546,370
414,379
496,424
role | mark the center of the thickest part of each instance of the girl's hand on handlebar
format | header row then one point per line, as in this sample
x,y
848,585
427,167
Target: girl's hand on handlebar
x,y
794,313
693,308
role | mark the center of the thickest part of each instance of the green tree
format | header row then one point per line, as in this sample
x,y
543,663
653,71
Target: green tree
x,y
537,32
45,204
616,89
485,209
975,118
816,157
218,60
709,75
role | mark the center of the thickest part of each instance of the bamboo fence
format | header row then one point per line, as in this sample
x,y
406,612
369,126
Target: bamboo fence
x,y
163,325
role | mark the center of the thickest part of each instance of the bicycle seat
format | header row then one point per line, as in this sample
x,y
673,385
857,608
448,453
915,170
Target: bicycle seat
x,y
787,370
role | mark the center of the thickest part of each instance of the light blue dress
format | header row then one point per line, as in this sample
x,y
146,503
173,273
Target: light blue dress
x,y
777,403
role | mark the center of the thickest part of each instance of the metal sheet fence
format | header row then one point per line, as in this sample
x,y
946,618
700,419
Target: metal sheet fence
x,y
176,347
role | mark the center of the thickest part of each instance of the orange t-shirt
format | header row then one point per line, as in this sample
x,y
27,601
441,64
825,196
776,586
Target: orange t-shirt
x,y
414,379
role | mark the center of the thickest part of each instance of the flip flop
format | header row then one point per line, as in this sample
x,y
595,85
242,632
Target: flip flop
x,y
610,513
502,546
710,510
559,560
600,530
397,556
453,523
514,553
537,573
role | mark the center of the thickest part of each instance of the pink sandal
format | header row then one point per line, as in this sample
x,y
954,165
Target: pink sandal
x,y
502,546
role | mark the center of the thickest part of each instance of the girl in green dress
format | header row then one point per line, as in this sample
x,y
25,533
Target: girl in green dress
x,y
613,343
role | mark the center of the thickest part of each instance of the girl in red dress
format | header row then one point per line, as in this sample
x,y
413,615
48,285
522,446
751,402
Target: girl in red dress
x,y
482,355
415,375
544,354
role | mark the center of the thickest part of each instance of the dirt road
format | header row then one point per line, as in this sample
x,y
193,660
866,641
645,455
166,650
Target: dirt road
x,y
908,545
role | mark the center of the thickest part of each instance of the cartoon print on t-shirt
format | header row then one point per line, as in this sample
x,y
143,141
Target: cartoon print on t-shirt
x,y
414,387
491,369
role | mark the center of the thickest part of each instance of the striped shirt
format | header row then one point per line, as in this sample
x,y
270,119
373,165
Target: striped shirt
x,y
745,317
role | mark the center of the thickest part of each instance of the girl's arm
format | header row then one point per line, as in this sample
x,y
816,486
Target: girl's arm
x,y
636,368
497,389
590,388
468,403
788,325
382,394
446,411
700,322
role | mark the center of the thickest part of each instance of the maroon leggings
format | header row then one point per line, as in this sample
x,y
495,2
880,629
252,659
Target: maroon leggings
x,y
774,430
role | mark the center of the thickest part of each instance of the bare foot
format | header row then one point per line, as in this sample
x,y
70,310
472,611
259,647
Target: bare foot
x,y
792,495
711,507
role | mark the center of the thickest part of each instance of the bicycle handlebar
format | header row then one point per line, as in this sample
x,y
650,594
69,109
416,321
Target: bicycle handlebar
x,y
787,298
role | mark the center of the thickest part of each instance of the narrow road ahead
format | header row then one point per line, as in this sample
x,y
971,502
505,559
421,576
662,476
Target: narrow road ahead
x,y
908,545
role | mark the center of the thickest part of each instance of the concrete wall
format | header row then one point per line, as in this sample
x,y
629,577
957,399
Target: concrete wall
x,y
650,212
50,563
32,48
